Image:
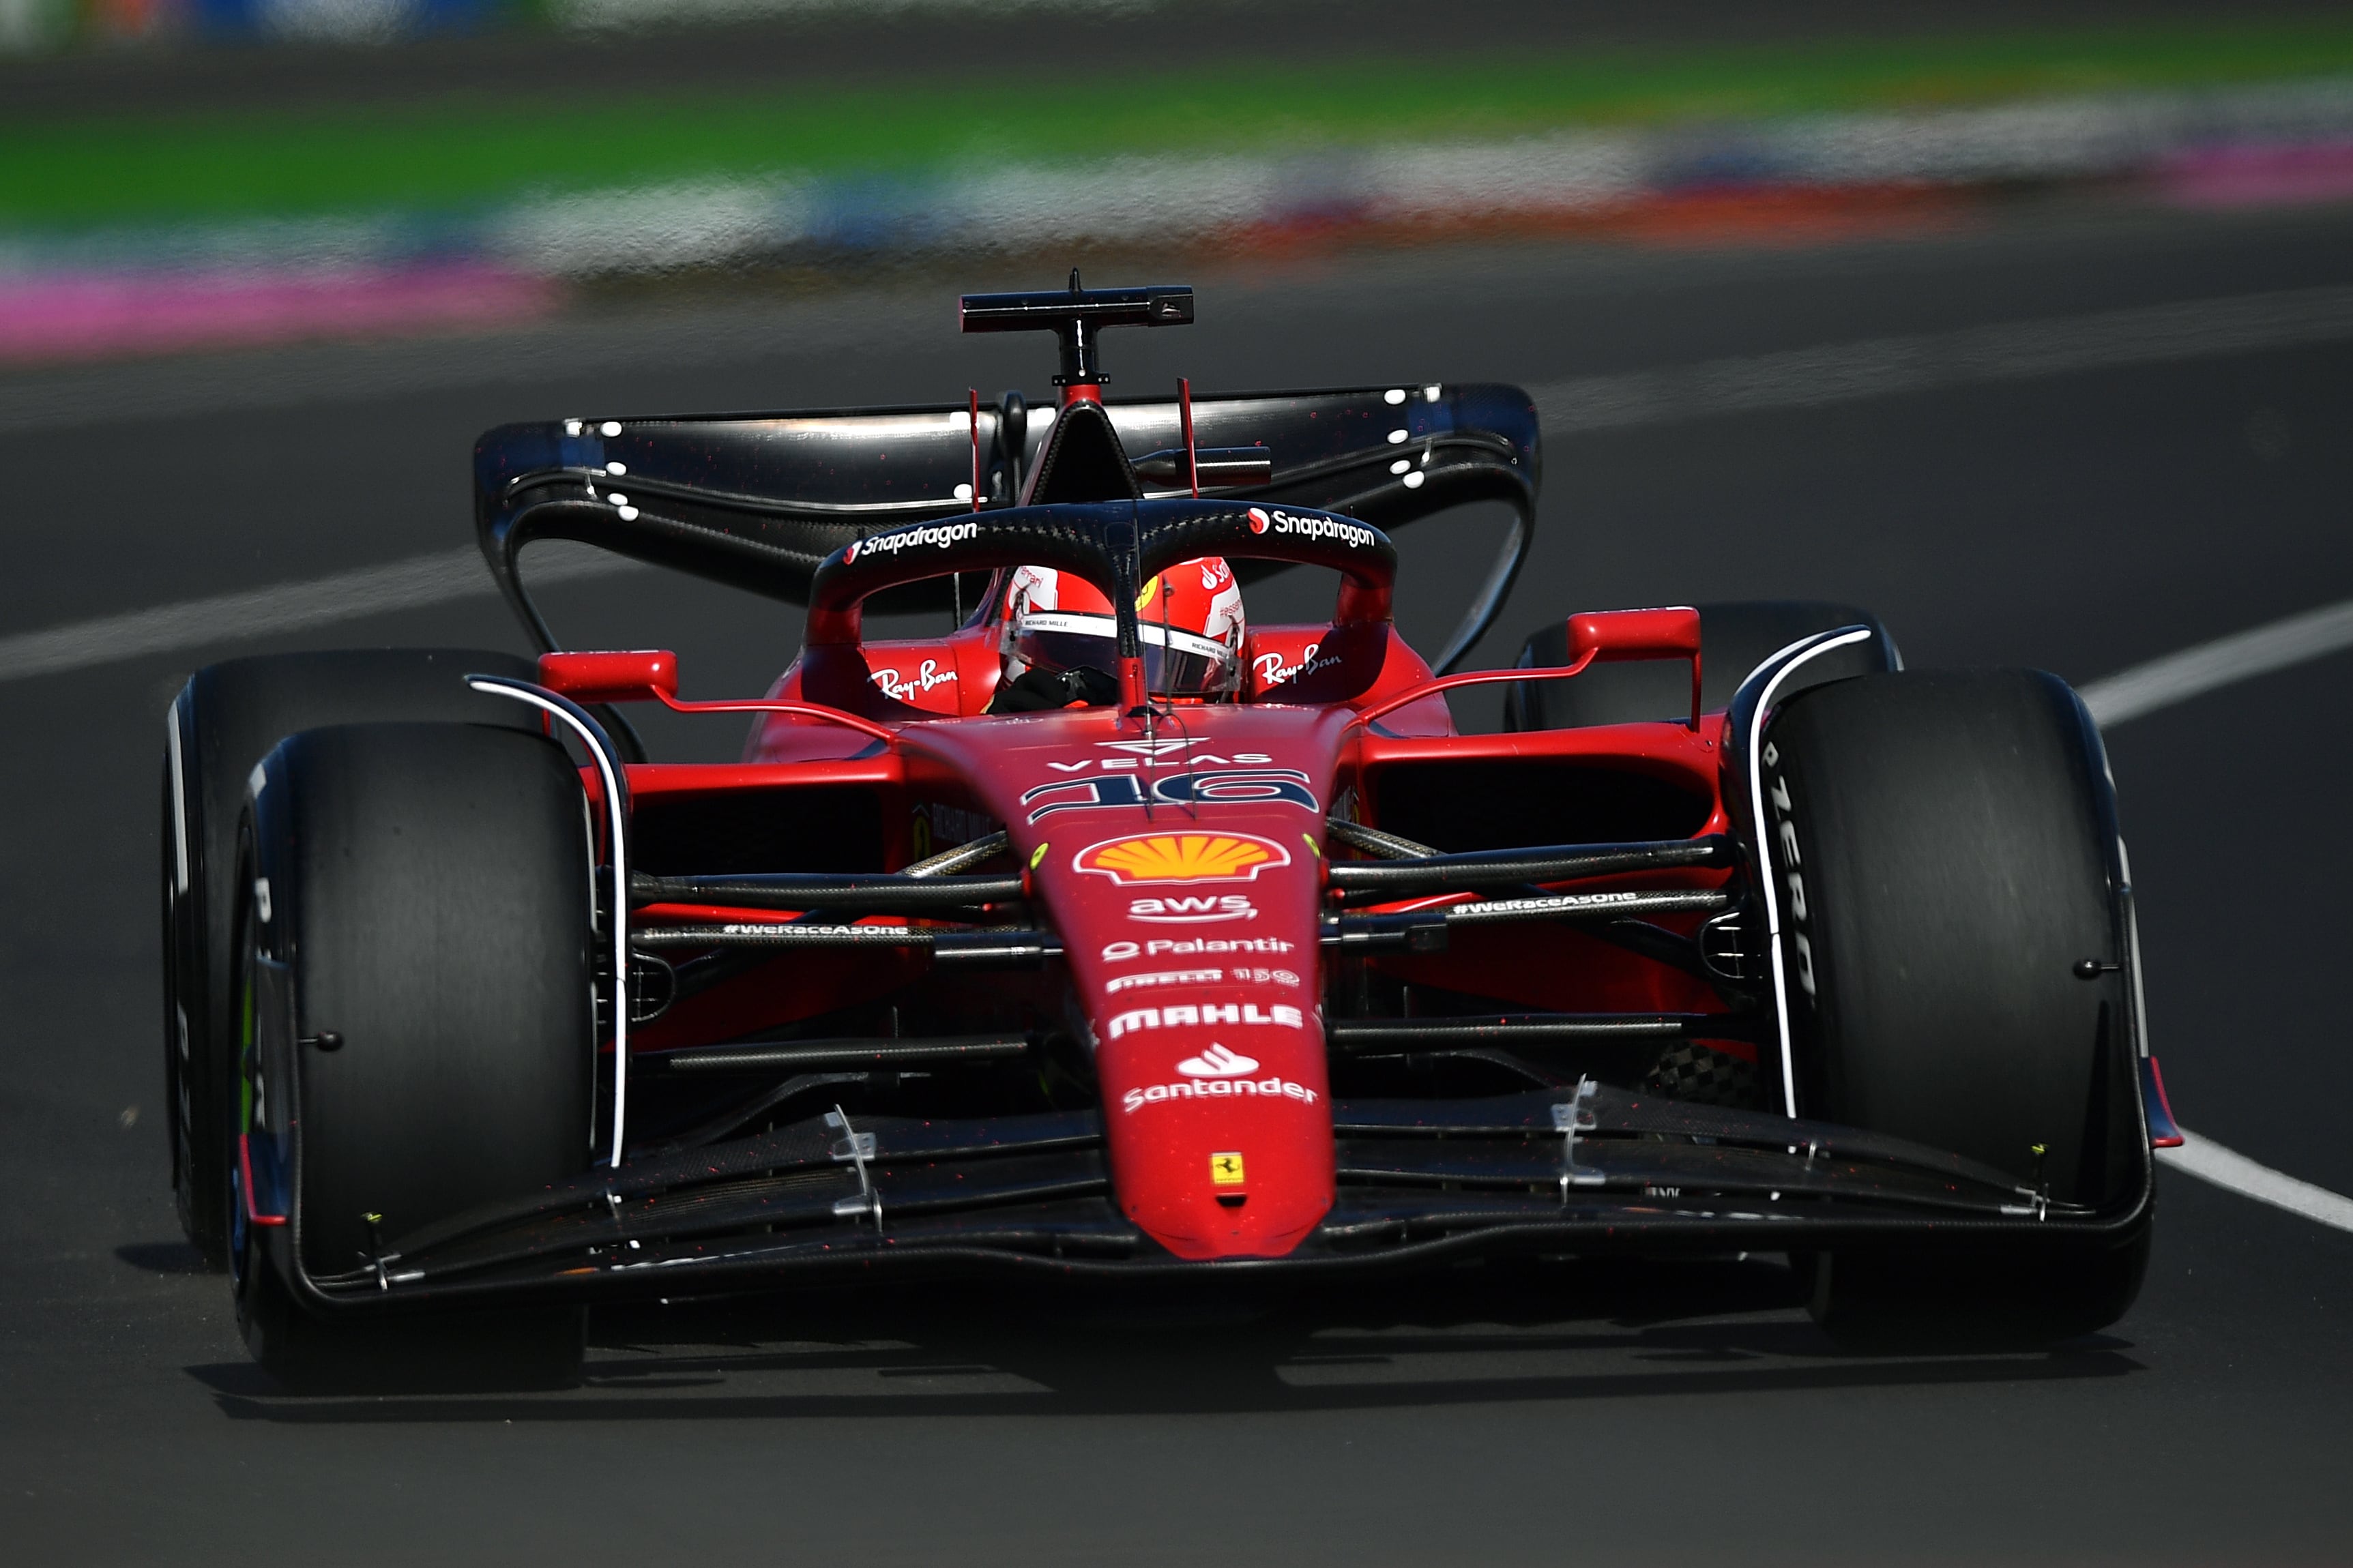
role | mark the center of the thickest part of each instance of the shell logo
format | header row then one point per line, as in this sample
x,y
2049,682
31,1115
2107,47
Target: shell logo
x,y
1259,522
1182,857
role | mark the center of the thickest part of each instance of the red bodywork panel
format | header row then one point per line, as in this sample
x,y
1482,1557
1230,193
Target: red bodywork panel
x,y
1182,865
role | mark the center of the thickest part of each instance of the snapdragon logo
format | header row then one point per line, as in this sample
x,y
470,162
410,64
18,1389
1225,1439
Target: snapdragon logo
x,y
1355,536
940,535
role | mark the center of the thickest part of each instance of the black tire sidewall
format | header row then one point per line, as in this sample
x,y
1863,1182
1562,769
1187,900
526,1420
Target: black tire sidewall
x,y
224,722
1936,839
430,896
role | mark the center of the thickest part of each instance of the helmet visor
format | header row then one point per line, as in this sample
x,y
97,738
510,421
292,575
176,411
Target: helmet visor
x,y
1175,663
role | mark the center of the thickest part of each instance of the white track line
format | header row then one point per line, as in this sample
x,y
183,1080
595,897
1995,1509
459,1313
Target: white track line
x,y
418,582
2192,672
2177,678
2009,351
2210,1162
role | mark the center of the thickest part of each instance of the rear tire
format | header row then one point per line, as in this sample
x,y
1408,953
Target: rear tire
x,y
1939,844
225,720
429,905
1735,637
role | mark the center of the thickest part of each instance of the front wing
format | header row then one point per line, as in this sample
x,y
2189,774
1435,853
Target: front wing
x,y
1577,1169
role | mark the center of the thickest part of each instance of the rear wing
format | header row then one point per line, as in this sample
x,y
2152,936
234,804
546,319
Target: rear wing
x,y
757,501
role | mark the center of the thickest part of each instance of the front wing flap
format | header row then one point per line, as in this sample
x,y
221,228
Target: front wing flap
x,y
1577,1170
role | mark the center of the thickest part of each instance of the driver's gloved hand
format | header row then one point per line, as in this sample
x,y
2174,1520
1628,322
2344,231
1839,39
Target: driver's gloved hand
x,y
1036,691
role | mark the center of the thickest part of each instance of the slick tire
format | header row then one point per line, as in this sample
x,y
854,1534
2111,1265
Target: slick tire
x,y
223,722
1735,637
1940,848
424,1014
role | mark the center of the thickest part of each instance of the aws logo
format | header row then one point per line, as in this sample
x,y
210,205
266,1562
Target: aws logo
x,y
1182,857
1177,910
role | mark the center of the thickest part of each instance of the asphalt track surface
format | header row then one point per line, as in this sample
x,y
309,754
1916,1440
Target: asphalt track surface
x,y
2084,522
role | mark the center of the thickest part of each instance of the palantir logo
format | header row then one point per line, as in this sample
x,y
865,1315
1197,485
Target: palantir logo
x,y
1219,1062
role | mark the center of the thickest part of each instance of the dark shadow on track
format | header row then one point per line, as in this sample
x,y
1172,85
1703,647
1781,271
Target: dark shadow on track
x,y
1497,1334
163,1257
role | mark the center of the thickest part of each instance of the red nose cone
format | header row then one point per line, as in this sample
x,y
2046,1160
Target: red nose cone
x,y
1184,871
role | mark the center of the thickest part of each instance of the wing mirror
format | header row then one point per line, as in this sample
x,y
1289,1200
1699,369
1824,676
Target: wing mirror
x,y
1616,636
648,675
1601,636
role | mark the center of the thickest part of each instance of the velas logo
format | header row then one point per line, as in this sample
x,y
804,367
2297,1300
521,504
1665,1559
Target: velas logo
x,y
1259,520
939,536
1219,1062
1182,857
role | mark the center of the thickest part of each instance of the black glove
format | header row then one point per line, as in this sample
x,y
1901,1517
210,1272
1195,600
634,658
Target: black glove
x,y
1038,691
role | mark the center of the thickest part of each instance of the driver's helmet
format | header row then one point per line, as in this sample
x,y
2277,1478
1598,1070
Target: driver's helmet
x,y
1191,621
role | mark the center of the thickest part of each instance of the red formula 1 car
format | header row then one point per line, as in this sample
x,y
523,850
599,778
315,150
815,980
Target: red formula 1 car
x,y
1093,938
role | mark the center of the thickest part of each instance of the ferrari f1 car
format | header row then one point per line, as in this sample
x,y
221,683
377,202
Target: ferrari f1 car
x,y
1740,936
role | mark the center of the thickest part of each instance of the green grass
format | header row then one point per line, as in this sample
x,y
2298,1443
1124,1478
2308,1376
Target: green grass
x,y
458,155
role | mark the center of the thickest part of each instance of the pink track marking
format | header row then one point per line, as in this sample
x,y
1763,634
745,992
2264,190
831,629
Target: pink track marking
x,y
87,315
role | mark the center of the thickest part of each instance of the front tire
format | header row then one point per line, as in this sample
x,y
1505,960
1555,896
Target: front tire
x,y
225,720
430,1023
1940,846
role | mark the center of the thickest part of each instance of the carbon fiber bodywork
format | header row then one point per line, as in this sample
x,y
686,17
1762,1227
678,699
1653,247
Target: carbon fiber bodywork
x,y
1419,1180
758,500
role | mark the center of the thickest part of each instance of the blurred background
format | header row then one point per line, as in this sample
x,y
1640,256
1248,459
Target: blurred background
x,y
184,174
279,260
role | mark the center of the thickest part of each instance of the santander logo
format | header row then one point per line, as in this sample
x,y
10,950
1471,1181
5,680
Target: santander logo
x,y
1219,1062
1259,522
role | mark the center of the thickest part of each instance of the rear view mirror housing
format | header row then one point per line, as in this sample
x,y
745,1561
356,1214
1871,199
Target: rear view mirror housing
x,y
644,674
1618,636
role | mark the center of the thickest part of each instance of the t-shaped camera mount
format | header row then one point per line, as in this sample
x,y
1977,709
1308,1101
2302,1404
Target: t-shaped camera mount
x,y
1076,316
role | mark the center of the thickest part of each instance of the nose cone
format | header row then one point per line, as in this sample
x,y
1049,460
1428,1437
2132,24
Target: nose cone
x,y
1226,1150
1184,870
1199,975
